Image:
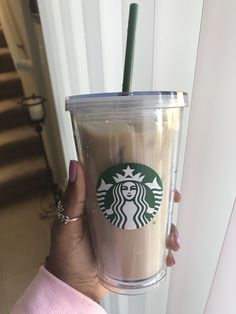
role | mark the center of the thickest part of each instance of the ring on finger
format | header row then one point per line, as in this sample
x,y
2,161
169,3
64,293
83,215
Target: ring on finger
x,y
64,218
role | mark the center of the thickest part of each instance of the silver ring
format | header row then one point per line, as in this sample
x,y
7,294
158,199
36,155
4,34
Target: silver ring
x,y
63,218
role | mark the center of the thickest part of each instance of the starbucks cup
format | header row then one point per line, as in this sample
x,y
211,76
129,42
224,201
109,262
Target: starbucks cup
x,y
129,147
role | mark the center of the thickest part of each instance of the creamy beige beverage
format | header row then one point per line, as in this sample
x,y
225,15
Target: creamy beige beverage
x,y
123,253
130,164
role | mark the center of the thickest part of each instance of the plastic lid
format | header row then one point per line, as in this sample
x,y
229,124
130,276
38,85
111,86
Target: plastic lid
x,y
135,100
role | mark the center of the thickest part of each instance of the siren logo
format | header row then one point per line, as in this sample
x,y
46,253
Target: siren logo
x,y
129,195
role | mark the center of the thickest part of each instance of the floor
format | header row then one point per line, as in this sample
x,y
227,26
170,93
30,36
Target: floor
x,y
24,244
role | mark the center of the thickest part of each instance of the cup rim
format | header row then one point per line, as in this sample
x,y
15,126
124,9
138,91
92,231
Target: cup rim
x,y
162,99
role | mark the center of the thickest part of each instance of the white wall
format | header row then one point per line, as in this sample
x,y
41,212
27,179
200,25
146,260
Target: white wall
x,y
209,178
222,293
40,74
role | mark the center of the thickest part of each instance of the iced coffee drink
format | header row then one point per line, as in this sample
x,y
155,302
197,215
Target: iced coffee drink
x,y
129,145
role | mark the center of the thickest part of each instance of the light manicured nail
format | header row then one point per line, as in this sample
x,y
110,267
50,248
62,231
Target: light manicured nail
x,y
72,171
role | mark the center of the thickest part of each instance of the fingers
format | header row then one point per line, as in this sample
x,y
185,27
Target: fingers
x,y
74,196
170,261
173,242
73,204
177,197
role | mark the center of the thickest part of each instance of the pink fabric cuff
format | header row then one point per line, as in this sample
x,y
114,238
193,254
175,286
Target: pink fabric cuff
x,y
48,294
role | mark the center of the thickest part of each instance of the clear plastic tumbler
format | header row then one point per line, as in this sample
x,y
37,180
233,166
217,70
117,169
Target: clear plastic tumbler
x,y
129,147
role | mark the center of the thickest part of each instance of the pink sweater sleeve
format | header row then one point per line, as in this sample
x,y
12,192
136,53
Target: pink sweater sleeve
x,y
48,294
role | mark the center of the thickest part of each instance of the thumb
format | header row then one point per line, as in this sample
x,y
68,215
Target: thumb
x,y
74,196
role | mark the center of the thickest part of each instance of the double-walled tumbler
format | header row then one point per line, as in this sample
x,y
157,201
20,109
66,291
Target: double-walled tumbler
x,y
129,146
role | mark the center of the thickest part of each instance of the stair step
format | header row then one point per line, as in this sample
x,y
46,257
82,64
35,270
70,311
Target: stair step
x,y
18,143
4,50
11,114
3,42
10,85
6,62
22,169
22,178
8,76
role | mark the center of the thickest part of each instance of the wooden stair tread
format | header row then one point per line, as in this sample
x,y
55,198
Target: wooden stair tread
x,y
9,104
16,135
8,76
10,85
3,42
11,114
22,166
23,169
4,51
6,62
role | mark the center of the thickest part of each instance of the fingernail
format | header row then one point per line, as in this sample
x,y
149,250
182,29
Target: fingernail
x,y
72,171
176,237
177,197
170,261
175,234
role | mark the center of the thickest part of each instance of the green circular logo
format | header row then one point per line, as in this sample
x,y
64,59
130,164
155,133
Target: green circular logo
x,y
129,195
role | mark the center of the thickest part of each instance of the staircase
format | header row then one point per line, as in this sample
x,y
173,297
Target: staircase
x,y
22,166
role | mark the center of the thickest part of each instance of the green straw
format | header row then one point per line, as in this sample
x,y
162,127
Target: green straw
x,y
129,54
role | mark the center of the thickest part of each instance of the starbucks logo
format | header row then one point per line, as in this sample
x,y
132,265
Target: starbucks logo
x,y
129,195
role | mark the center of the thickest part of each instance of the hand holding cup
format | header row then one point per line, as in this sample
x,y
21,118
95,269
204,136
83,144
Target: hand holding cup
x,y
71,257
